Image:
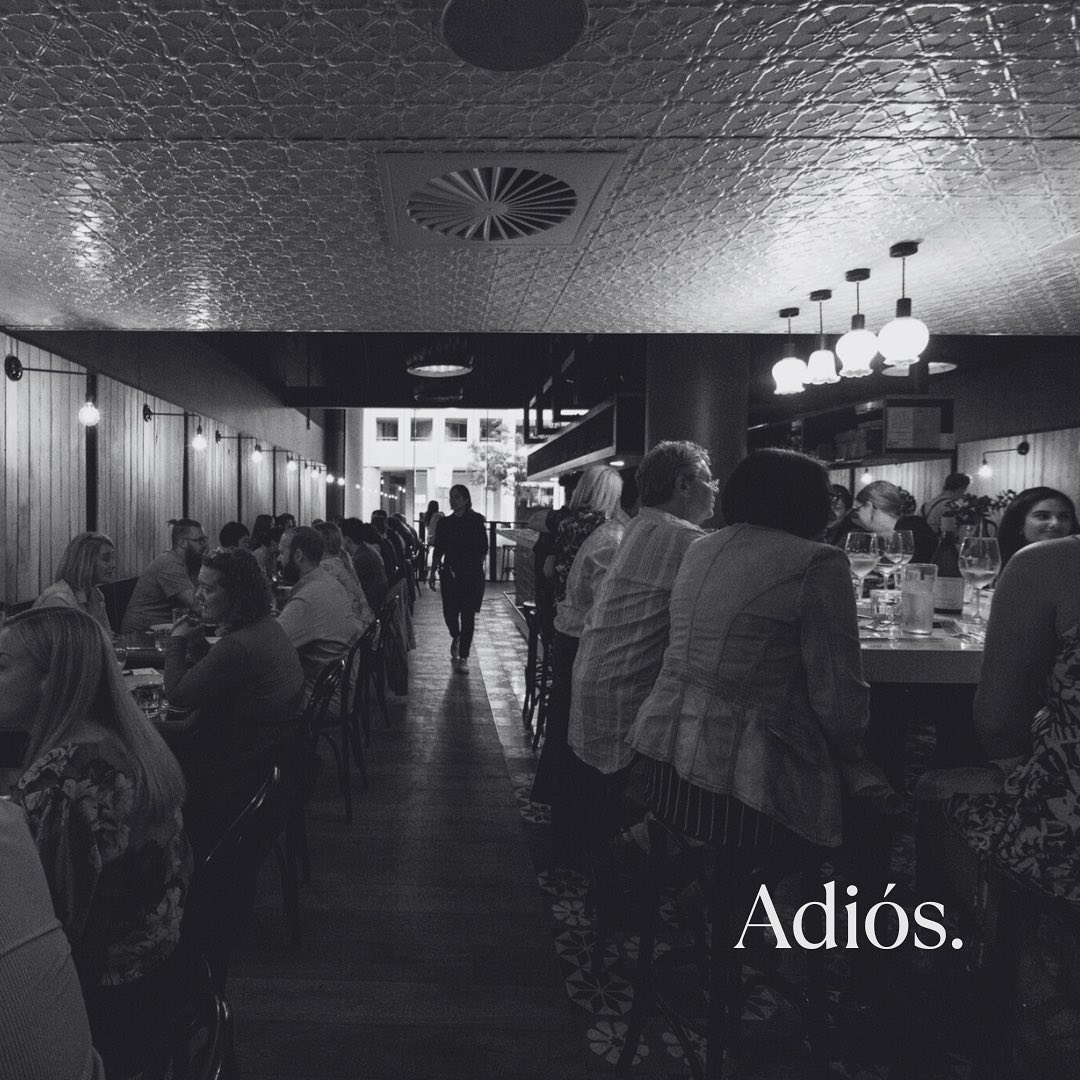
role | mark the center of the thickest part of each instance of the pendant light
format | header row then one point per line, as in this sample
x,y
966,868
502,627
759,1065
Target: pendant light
x,y
198,440
858,346
821,367
902,340
790,372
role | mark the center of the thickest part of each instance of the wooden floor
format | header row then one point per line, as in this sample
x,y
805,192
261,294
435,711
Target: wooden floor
x,y
427,950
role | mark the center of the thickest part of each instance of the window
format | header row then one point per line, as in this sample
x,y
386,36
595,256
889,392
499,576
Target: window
x,y
386,430
490,430
457,430
421,430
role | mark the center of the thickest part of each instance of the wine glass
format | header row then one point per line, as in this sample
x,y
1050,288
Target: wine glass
x,y
980,561
120,649
863,551
898,548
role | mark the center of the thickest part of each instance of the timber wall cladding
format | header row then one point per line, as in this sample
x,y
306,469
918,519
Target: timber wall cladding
x,y
213,478
44,473
312,496
1054,461
258,480
140,473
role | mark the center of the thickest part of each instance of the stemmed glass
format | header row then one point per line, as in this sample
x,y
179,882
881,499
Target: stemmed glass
x,y
863,551
980,561
120,649
898,548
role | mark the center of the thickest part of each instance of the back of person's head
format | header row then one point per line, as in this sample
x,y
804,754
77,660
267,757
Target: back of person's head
x,y
331,535
888,497
378,519
662,466
628,500
262,521
77,564
307,541
180,527
368,534
232,532
244,583
285,521
351,528
1010,532
81,683
956,483
778,489
598,489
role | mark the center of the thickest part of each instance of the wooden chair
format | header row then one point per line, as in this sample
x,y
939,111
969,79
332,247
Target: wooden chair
x,y
357,685
323,723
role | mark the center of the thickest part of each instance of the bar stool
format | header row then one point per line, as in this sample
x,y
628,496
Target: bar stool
x,y
507,571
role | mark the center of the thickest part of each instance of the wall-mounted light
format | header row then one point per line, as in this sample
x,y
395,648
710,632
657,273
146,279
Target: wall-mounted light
x,y
858,346
1023,448
341,481
291,464
904,338
198,440
256,454
88,414
821,367
866,477
789,372
329,478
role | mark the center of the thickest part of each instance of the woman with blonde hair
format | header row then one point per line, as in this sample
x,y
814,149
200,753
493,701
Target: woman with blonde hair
x,y
88,561
102,794
882,507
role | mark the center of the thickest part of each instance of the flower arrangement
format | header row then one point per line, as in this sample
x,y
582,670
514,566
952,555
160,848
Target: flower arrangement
x,y
979,510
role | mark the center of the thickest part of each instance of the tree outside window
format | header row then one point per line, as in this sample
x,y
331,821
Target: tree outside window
x,y
491,429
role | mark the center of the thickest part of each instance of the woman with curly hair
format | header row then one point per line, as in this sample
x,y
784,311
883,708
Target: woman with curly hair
x,y
243,692
102,795
1039,513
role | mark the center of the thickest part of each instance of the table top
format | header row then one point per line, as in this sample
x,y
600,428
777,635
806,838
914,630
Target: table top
x,y
939,658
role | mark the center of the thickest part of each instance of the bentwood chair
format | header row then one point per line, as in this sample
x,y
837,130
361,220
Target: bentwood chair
x,y
332,726
357,685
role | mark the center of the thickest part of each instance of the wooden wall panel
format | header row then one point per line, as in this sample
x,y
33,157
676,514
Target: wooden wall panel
x,y
214,478
1054,461
258,479
44,473
140,473
312,496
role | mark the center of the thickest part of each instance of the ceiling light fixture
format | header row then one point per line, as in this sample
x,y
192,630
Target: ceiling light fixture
x,y
904,338
789,372
858,346
821,367
443,360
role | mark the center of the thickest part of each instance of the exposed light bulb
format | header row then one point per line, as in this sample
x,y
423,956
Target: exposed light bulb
x,y
985,470
291,464
256,454
89,415
329,478
866,477
341,481
198,440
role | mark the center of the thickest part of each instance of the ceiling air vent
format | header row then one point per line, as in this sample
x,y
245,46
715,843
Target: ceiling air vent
x,y
492,203
512,199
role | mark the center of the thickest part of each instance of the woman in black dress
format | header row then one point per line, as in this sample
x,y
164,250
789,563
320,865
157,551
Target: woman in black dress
x,y
460,547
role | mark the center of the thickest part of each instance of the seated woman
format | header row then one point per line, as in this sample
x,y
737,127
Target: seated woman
x,y
102,794
755,725
337,564
1017,815
881,507
88,561
243,693
1039,513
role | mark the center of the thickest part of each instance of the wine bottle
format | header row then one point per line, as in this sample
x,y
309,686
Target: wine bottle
x,y
949,587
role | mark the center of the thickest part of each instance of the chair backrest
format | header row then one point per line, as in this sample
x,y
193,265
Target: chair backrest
x,y
322,694
222,892
358,663
197,1044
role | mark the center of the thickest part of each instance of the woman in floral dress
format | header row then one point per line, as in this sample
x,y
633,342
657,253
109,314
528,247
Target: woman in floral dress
x,y
102,794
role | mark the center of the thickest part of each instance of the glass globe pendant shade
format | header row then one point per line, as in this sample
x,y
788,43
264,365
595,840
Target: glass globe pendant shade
x,y
89,415
902,340
821,367
856,349
790,375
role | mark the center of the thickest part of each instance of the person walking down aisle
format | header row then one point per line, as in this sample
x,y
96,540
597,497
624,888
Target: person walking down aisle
x,y
460,549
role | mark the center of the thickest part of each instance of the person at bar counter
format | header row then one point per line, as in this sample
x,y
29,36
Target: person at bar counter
x,y
626,630
754,727
88,561
882,507
243,693
1016,816
169,581
460,549
103,795
1038,513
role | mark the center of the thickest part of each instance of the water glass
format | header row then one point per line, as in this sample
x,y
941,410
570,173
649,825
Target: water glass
x,y
917,598
120,649
884,609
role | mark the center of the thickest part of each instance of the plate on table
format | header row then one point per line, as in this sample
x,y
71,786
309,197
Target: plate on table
x,y
160,627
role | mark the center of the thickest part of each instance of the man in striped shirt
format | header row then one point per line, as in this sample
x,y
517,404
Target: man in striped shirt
x,y
626,630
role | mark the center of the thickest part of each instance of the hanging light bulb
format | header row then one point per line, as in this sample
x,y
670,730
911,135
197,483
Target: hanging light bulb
x,y
256,454
291,464
904,338
866,477
821,367
341,481
329,478
984,468
858,346
89,415
790,372
198,440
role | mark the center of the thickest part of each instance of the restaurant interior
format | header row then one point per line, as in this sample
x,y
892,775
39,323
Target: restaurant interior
x,y
245,222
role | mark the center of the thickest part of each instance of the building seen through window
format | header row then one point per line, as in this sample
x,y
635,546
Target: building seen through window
x,y
421,429
457,430
386,430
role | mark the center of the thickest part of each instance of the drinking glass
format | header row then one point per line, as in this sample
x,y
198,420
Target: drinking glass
x,y
897,548
863,551
120,649
917,598
980,561
161,638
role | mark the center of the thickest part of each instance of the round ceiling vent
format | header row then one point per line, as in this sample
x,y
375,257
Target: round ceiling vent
x,y
492,203
513,35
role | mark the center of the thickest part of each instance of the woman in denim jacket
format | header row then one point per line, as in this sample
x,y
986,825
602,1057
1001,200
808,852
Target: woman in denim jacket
x,y
755,725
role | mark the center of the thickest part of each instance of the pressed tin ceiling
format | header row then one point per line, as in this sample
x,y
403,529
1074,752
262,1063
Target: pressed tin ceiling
x,y
214,164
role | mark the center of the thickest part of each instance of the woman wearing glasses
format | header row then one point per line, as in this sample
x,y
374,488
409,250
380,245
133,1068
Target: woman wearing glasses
x,y
881,507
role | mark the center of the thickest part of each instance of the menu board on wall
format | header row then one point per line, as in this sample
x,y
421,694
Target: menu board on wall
x,y
919,424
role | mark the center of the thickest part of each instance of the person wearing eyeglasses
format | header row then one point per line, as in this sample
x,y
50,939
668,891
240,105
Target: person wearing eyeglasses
x,y
882,507
169,581
626,630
